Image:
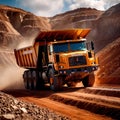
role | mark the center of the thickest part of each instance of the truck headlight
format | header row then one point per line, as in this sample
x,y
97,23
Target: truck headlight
x,y
61,67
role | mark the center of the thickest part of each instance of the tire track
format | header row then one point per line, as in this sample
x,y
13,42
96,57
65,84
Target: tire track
x,y
78,103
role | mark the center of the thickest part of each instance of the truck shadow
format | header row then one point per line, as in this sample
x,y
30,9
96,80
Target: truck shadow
x,y
46,92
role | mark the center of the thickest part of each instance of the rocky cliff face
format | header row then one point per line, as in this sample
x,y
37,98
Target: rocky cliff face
x,y
8,34
17,25
79,18
109,60
107,28
106,36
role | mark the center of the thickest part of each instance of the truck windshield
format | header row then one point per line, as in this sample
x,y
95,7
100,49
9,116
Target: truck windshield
x,y
72,46
62,47
75,46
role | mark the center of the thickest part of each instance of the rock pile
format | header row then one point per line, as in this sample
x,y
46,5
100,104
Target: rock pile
x,y
14,109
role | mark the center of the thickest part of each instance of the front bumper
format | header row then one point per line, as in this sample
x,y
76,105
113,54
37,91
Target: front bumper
x,y
82,69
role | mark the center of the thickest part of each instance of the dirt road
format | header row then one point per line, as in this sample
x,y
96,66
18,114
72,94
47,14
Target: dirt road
x,y
77,103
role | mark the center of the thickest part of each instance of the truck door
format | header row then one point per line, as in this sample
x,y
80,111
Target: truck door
x,y
42,57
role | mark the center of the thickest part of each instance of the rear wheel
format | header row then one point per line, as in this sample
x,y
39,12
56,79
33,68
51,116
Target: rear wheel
x,y
89,80
34,78
55,81
37,81
25,77
30,81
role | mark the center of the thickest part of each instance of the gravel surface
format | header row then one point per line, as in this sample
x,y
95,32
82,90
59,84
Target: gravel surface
x,y
14,109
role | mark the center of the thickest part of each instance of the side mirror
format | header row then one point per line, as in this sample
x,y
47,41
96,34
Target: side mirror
x,y
57,58
92,45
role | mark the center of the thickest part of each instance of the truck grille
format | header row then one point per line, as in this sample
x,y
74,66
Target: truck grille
x,y
77,60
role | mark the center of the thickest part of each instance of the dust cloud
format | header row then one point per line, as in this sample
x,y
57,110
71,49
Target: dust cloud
x,y
28,41
11,77
25,44
10,73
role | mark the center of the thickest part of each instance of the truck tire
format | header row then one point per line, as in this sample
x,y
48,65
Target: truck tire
x,y
89,80
34,78
55,81
40,81
25,78
30,81
37,81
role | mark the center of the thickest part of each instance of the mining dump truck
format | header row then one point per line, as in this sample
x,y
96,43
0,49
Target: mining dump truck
x,y
57,58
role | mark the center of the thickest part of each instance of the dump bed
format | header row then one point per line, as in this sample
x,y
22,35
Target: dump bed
x,y
57,35
28,57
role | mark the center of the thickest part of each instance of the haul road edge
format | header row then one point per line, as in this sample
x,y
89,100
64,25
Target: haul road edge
x,y
58,57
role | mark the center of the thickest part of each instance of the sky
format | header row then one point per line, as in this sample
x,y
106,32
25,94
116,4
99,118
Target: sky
x,y
49,8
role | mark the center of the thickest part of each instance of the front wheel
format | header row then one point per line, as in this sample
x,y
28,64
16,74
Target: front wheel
x,y
89,80
71,84
55,81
